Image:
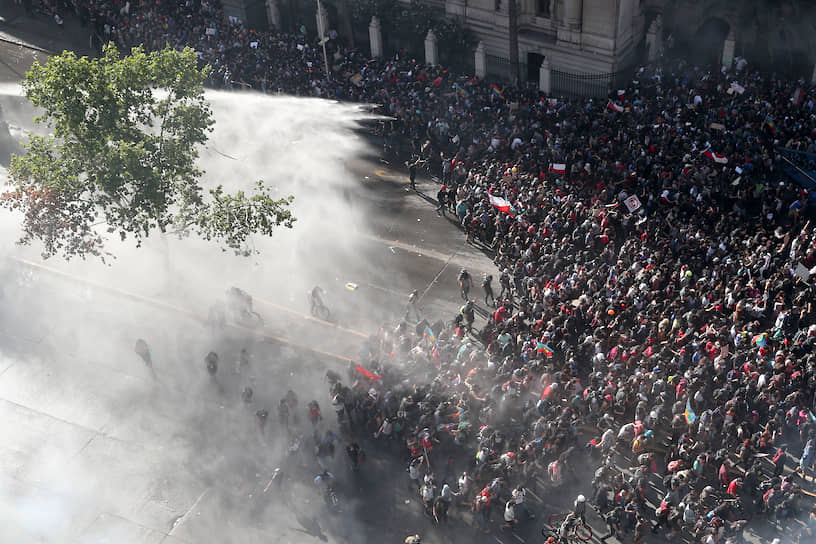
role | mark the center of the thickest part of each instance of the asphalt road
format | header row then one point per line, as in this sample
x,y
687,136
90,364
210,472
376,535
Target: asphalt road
x,y
97,448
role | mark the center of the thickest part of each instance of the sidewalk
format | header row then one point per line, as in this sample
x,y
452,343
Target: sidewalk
x,y
39,32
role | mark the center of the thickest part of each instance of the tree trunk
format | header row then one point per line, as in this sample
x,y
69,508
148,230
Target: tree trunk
x,y
512,15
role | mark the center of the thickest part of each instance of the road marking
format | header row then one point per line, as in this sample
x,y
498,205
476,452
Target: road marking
x,y
177,522
311,317
384,174
178,309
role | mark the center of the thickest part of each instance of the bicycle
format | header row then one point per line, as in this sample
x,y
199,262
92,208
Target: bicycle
x,y
317,307
577,529
239,306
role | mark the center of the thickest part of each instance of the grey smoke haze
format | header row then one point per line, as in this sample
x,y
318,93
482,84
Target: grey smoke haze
x,y
128,446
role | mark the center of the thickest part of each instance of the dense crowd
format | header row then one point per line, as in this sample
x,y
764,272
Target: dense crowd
x,y
679,333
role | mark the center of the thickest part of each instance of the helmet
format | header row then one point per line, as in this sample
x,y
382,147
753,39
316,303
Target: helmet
x,y
580,498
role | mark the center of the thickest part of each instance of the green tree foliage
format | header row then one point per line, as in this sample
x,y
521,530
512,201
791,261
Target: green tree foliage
x,y
121,158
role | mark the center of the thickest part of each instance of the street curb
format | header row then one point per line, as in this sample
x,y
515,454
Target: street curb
x,y
26,45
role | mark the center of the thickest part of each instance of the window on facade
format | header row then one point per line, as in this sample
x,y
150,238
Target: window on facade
x,y
543,8
498,5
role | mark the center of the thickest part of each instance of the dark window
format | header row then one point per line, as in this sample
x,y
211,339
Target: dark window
x,y
543,8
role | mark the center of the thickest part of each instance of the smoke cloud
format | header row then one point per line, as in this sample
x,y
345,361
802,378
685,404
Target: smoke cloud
x,y
100,450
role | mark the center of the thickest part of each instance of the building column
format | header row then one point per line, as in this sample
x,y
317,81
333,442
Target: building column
x,y
813,77
455,8
728,50
654,38
481,61
273,14
431,49
322,18
573,14
375,36
545,77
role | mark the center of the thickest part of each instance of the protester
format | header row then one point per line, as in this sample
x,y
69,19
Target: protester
x,y
654,265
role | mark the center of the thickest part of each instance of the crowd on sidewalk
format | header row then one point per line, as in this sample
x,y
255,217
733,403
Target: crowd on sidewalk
x,y
677,326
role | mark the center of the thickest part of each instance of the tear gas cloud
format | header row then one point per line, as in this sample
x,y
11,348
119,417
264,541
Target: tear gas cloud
x,y
128,457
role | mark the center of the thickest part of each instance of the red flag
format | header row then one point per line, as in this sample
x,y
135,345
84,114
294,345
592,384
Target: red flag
x,y
368,374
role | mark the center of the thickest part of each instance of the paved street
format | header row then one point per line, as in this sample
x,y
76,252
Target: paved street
x,y
96,449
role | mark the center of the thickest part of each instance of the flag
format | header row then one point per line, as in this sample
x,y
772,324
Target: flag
x,y
459,90
368,374
496,91
612,106
716,157
502,204
545,349
691,417
558,168
770,123
430,335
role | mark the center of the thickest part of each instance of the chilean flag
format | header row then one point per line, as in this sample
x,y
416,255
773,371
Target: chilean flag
x,y
502,204
616,107
558,168
716,157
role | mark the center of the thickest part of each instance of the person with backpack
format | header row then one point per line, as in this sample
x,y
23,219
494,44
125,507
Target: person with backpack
x,y
468,315
465,283
356,455
442,200
487,285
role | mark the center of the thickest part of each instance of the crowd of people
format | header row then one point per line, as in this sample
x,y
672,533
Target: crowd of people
x,y
654,270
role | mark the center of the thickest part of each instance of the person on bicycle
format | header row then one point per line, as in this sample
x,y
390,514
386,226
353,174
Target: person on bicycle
x,y
240,301
324,482
568,525
579,508
465,283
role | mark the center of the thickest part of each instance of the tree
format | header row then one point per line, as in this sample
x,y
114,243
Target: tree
x,y
122,157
